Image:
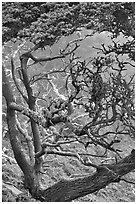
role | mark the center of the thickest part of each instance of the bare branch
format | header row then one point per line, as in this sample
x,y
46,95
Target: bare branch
x,y
84,161
89,184
40,120
15,80
131,182
28,139
43,59
57,144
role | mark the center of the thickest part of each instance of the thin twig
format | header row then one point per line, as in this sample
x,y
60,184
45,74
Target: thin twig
x,y
131,182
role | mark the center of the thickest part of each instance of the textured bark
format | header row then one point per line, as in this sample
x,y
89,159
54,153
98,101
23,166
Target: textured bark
x,y
31,101
31,178
68,190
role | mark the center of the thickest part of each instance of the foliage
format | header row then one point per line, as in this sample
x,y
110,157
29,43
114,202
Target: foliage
x,y
61,104
49,21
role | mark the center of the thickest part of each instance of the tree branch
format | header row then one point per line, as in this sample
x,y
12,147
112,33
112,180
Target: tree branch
x,y
28,139
68,190
15,80
40,120
46,59
13,132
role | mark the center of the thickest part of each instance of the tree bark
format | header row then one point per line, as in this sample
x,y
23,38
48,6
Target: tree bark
x,y
31,102
68,190
31,178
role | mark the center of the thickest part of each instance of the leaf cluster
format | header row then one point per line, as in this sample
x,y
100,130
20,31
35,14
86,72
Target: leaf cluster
x,y
45,23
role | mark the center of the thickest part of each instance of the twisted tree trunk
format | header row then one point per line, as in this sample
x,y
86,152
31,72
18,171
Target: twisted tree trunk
x,y
68,190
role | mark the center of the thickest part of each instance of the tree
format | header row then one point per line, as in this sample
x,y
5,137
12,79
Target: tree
x,y
89,102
